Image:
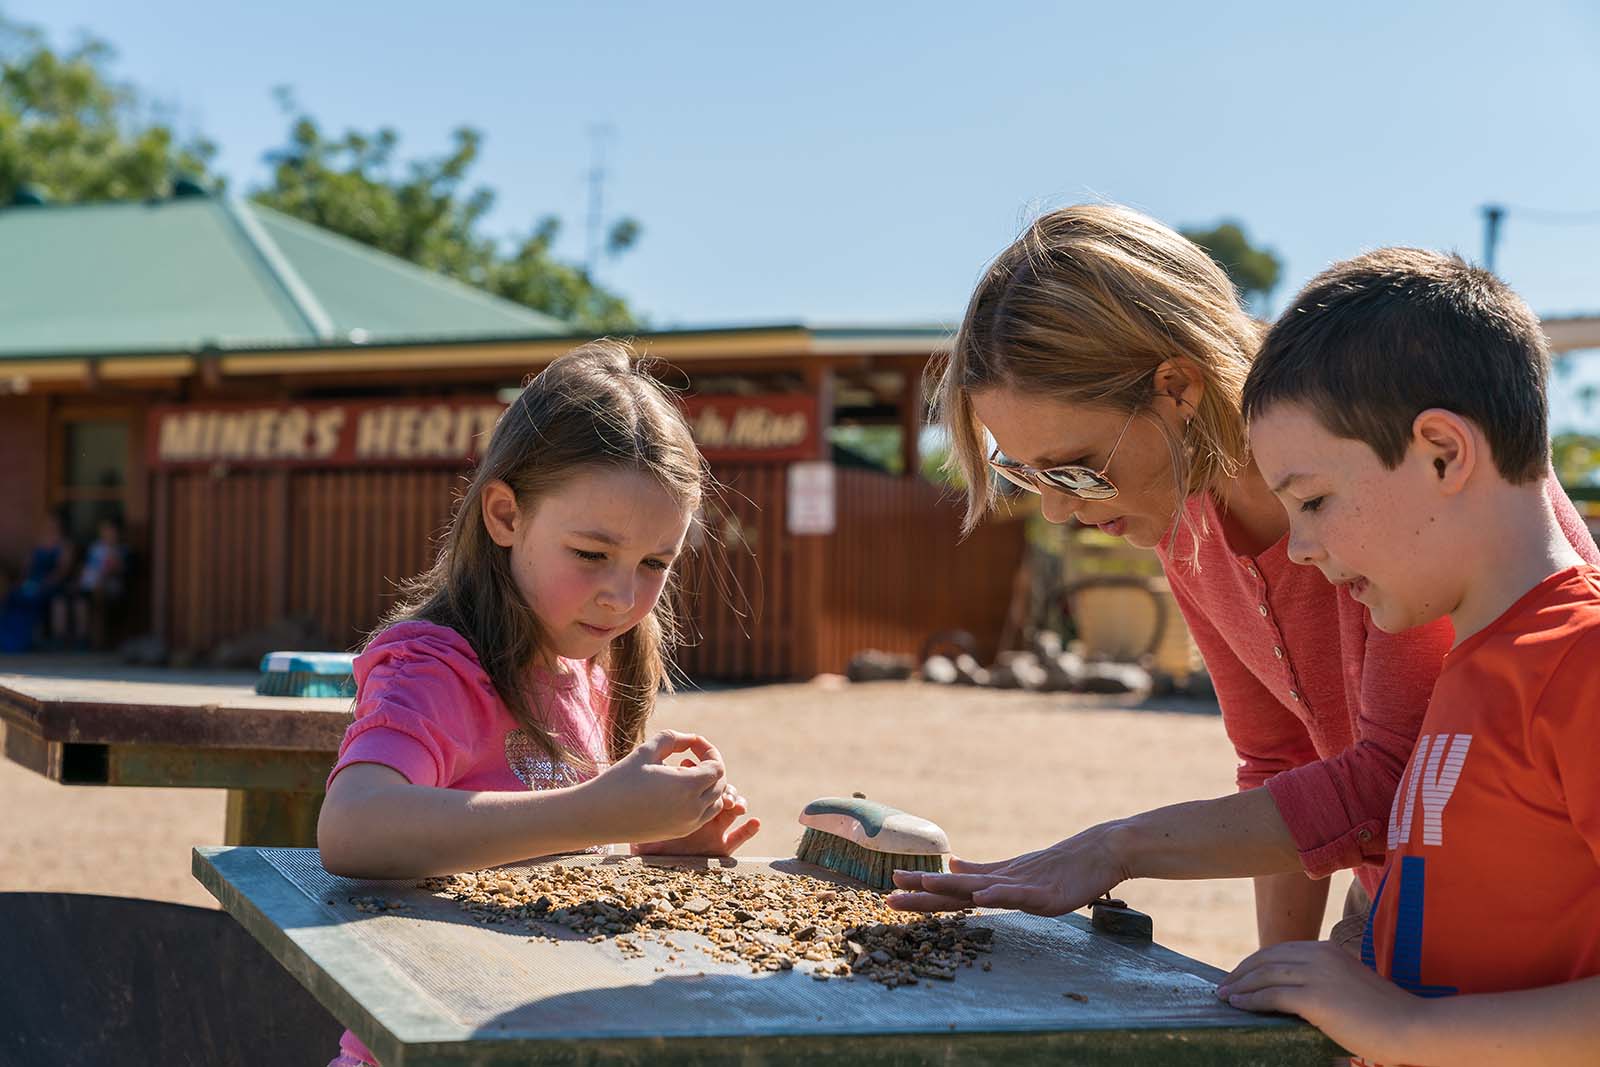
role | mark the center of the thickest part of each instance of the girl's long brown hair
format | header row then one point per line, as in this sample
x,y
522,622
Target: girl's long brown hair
x,y
594,407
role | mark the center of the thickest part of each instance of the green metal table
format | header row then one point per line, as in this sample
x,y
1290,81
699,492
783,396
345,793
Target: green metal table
x,y
425,985
272,754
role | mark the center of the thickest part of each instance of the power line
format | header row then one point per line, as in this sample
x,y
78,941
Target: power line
x,y
1495,214
1557,218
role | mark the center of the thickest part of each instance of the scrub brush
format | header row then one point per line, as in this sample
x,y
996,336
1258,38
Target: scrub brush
x,y
869,841
307,674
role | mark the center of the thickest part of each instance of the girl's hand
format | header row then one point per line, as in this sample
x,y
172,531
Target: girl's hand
x,y
649,799
719,837
1328,988
1051,881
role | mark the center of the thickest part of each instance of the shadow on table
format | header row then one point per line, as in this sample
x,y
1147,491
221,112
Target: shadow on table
x,y
715,1019
113,981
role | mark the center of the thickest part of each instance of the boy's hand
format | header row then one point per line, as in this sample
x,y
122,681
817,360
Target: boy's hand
x,y
647,797
1328,988
719,837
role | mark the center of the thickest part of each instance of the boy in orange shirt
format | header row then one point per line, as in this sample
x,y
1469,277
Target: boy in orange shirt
x,y
1398,410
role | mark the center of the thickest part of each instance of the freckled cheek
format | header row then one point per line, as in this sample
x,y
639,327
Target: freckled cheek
x,y
560,596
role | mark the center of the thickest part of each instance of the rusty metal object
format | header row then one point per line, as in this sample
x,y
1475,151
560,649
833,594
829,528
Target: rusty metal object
x,y
1112,916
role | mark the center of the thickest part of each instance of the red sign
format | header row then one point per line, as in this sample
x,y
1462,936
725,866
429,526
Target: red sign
x,y
764,429
386,432
422,433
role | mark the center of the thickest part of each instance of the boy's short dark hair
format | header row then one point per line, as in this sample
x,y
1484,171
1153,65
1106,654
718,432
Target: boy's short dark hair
x,y
1372,342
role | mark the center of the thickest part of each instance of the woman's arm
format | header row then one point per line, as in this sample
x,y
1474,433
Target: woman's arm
x,y
1338,808
1239,836
1268,740
1289,907
1236,836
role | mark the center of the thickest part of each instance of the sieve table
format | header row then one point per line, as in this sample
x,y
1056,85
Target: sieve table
x,y
272,754
424,985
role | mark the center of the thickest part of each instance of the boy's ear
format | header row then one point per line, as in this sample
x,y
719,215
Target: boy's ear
x,y
1448,444
1180,382
500,515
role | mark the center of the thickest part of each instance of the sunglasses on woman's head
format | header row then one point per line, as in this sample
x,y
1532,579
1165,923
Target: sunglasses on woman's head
x,y
1071,478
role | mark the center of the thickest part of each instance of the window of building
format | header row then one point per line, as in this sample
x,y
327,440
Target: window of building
x,y
94,475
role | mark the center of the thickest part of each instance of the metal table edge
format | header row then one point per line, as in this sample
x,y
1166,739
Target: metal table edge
x,y
425,1041
215,867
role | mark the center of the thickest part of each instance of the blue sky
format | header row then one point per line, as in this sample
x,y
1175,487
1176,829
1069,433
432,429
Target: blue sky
x,y
837,162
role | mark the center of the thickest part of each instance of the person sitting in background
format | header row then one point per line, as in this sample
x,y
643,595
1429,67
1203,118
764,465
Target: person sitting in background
x,y
45,575
100,584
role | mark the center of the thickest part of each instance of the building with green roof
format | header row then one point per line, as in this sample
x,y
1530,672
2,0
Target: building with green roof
x,y
198,273
282,417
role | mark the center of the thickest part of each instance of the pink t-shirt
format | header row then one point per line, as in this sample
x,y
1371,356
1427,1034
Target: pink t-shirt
x,y
1321,706
426,708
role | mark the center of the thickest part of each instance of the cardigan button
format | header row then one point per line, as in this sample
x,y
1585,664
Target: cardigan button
x,y
1263,609
1277,650
1364,836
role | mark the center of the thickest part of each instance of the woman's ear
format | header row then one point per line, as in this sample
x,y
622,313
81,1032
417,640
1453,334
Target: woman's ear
x,y
1448,443
500,514
1180,381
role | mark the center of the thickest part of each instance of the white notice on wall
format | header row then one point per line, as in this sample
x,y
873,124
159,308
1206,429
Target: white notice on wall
x,y
811,509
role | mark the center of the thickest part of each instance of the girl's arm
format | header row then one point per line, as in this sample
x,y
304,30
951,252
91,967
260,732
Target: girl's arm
x,y
376,824
1549,1027
1235,836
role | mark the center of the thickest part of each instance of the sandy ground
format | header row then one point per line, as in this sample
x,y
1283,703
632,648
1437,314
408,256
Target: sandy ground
x,y
1001,772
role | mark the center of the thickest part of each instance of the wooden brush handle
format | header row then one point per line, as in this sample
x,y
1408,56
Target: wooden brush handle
x,y
875,826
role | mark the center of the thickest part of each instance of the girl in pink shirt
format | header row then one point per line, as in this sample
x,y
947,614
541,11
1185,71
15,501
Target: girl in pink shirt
x,y
1105,354
500,714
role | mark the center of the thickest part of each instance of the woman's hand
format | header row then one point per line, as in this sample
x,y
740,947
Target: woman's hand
x,y
1328,988
649,799
1051,881
719,837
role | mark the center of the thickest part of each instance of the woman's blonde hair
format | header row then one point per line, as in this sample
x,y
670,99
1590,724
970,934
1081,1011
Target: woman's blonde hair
x,y
1084,306
594,407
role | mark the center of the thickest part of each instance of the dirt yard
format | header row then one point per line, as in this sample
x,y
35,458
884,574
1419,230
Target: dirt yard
x,y
1002,772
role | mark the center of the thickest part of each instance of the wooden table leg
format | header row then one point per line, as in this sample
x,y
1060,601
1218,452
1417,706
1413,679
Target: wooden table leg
x,y
272,819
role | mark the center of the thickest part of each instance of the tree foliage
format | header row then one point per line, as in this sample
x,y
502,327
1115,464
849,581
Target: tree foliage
x,y
427,212
72,133
1577,459
1255,271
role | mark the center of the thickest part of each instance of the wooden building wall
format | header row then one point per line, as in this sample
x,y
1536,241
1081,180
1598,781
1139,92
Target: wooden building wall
x,y
255,546
896,573
24,428
248,547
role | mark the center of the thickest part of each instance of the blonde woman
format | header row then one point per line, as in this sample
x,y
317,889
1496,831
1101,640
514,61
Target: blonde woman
x,y
1105,355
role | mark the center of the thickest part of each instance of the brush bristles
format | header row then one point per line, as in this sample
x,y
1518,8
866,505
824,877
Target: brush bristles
x,y
876,869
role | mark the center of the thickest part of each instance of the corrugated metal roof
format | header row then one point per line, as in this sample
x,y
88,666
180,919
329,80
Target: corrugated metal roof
x,y
197,272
